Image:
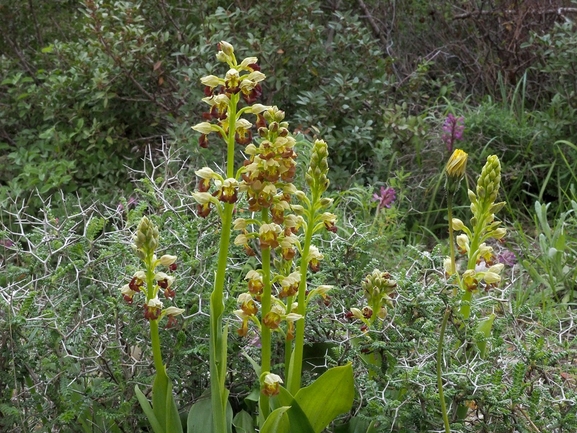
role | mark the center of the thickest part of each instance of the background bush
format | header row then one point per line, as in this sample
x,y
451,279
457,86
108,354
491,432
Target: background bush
x,y
84,99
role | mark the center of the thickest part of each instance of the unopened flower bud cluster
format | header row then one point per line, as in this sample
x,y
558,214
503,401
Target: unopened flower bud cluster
x,y
378,288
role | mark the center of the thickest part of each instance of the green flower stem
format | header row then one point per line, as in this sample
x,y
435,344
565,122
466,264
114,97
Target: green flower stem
x,y
155,343
217,346
150,294
376,218
288,345
439,370
471,264
232,116
265,334
295,371
466,304
453,270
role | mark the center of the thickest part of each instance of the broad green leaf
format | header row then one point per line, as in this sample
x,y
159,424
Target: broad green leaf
x,y
163,403
298,420
327,397
277,422
484,328
145,405
200,416
243,422
357,425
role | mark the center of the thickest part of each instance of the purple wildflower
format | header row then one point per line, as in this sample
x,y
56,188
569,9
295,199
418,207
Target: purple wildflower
x,y
6,243
453,130
386,198
507,257
131,203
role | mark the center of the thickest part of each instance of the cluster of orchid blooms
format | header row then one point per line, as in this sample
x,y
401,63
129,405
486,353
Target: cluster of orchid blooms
x,y
453,129
482,263
150,282
265,182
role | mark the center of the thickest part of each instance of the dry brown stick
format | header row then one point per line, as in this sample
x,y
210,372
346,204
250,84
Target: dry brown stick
x,y
22,58
373,23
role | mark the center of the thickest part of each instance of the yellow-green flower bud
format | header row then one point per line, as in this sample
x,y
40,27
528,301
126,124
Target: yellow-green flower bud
x,y
205,128
457,164
358,314
300,195
147,236
326,202
239,224
167,260
298,209
496,207
463,243
204,197
448,266
458,225
207,173
244,65
497,269
499,233
316,176
172,311
491,277
254,77
226,48
212,81
259,108
489,181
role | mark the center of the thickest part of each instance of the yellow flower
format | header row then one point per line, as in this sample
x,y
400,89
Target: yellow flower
x,y
271,384
463,243
457,164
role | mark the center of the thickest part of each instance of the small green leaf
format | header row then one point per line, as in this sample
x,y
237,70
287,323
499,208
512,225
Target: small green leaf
x,y
484,328
147,409
277,422
357,425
